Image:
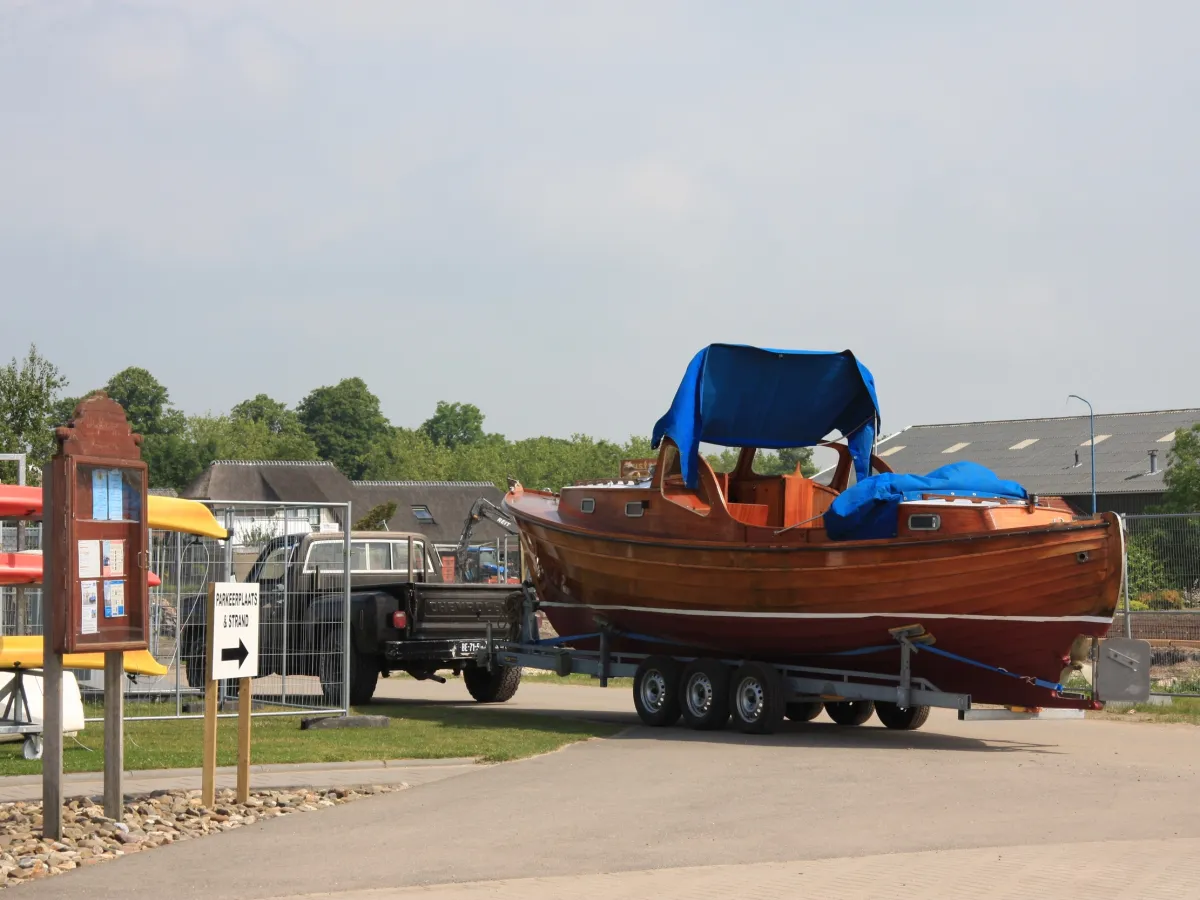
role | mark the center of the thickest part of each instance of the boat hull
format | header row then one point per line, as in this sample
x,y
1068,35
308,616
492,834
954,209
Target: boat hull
x,y
1015,600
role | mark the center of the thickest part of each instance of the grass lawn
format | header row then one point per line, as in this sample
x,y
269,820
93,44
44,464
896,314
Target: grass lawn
x,y
1183,709
416,732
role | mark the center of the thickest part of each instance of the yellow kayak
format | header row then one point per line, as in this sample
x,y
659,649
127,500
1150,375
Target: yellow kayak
x,y
25,652
165,513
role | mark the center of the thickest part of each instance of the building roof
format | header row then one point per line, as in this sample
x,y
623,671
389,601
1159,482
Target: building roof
x,y
1041,453
316,482
447,503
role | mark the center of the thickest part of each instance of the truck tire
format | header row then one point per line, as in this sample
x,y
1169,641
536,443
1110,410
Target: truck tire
x,y
901,718
193,667
364,674
656,691
850,712
495,686
756,698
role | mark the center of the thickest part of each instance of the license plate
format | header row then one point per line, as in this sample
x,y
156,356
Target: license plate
x,y
470,648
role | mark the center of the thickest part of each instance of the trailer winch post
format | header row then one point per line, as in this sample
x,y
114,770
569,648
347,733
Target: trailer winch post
x,y
603,673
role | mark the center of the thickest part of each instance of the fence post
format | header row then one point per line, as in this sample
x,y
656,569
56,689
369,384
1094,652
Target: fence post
x,y
1125,574
346,575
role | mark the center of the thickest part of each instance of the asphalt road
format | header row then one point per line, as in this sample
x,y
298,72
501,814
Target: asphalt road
x,y
1067,801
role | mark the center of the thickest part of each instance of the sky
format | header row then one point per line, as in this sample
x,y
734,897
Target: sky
x,y
546,209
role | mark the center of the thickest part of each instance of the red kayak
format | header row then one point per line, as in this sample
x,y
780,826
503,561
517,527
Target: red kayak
x,y
26,568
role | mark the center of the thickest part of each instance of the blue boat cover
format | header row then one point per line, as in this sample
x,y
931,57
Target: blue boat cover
x,y
870,508
733,395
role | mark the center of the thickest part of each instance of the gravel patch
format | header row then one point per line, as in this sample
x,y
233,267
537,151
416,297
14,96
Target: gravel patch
x,y
154,820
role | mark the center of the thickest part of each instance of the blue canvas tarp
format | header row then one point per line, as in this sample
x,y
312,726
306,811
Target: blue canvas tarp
x,y
739,396
870,509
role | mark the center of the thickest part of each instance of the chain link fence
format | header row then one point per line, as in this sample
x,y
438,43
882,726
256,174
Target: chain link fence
x,y
1162,590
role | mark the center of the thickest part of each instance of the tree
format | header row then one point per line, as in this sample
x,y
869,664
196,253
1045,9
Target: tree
x,y
146,402
28,391
767,462
377,517
261,408
228,437
454,424
1182,476
405,454
343,421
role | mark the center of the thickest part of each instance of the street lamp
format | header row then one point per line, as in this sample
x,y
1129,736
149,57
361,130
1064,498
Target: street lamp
x,y
1091,445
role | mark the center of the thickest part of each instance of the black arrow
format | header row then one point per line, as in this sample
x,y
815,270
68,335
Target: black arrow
x,y
239,653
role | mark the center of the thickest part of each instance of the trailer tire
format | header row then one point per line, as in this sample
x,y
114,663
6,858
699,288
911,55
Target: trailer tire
x,y
496,686
901,718
804,711
656,691
704,695
850,712
757,698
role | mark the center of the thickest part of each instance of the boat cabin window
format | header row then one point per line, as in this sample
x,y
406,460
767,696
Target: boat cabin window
x,y
635,509
587,505
924,522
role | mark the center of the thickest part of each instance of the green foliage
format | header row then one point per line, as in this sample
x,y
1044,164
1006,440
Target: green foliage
x,y
404,454
343,421
766,462
1145,571
146,402
454,424
271,413
28,394
233,437
377,517
1182,476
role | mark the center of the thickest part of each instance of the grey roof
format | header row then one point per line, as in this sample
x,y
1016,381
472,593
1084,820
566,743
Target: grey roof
x,y
318,481
447,501
298,481
1040,453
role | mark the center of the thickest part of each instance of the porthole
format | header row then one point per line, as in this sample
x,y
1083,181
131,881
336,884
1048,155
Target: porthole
x,y
587,505
924,522
635,509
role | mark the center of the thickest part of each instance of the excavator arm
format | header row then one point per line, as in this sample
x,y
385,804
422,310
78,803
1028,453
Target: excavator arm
x,y
483,508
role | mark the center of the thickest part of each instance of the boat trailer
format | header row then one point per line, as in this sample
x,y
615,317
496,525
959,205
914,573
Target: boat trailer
x,y
763,693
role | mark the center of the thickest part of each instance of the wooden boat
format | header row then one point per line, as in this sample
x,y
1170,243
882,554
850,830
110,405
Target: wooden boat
x,y
742,565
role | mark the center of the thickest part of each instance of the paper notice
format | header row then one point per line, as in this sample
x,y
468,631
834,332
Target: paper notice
x,y
114,558
100,494
116,495
89,559
114,599
90,623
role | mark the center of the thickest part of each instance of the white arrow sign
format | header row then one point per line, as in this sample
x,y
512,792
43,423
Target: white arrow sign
x,y
233,612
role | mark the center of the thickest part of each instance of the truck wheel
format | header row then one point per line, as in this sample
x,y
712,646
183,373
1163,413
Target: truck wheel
x,y
756,698
704,695
495,686
804,711
901,718
850,712
364,674
656,691
193,666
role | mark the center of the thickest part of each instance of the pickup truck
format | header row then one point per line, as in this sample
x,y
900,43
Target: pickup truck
x,y
402,617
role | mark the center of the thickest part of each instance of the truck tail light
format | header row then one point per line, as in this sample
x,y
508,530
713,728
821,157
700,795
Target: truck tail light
x,y
399,619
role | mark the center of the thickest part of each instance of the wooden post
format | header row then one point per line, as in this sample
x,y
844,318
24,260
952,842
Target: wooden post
x,y
52,673
114,734
245,700
208,777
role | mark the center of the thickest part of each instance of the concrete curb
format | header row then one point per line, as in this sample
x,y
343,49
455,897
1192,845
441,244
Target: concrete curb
x,y
270,768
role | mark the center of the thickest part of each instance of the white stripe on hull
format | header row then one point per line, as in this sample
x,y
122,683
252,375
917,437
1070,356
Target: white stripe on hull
x,y
907,616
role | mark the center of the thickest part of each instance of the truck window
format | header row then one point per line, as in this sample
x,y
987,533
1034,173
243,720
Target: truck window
x,y
324,555
379,557
399,556
273,566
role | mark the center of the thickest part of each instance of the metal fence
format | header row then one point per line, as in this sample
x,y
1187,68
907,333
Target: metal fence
x,y
1162,592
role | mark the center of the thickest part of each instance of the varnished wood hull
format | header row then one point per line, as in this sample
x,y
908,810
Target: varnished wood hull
x,y
1013,599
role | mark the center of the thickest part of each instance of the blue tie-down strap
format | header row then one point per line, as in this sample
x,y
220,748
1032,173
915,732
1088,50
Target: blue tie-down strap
x,y
554,642
1048,685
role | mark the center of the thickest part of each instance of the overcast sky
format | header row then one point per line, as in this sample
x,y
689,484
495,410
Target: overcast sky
x,y
547,208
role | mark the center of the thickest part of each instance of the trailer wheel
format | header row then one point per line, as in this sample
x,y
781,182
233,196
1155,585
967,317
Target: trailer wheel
x,y
656,691
757,699
804,711
901,718
850,712
704,694
496,686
